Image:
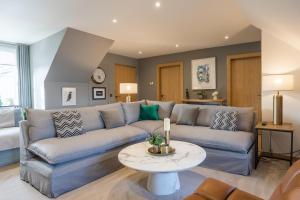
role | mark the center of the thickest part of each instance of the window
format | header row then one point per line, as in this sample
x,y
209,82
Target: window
x,y
8,76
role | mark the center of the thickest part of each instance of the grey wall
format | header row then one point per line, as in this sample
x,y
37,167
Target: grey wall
x,y
84,90
77,57
65,59
147,67
108,65
42,54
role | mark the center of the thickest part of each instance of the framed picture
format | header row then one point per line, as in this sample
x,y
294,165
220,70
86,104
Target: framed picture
x,y
204,74
99,93
69,96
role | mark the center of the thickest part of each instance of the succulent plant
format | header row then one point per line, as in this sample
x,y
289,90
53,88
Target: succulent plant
x,y
155,139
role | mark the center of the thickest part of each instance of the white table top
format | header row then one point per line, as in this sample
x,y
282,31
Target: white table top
x,y
187,156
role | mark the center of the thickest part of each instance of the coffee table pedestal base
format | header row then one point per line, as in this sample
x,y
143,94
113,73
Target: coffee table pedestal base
x,y
163,183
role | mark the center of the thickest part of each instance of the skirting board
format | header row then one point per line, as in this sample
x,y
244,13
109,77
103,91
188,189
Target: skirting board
x,y
10,156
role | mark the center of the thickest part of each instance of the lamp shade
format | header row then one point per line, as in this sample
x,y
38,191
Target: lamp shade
x,y
128,88
276,82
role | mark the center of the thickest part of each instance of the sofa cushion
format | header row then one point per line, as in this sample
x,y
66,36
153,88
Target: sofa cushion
x,y
42,125
187,116
207,112
225,120
7,117
246,116
217,139
55,150
177,109
132,111
9,138
91,118
149,125
113,118
67,123
148,112
165,108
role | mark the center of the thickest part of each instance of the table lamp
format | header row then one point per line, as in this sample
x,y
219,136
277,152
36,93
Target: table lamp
x,y
283,82
128,88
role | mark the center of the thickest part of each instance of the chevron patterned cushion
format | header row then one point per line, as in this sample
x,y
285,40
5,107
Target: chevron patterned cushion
x,y
225,120
67,123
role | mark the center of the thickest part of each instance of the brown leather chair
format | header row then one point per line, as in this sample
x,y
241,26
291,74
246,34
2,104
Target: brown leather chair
x,y
212,189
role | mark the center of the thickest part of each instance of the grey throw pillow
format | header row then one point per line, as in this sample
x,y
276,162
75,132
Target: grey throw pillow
x,y
164,108
113,118
132,111
67,123
225,120
187,116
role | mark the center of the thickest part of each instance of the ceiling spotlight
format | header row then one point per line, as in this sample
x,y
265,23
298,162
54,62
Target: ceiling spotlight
x,y
140,52
114,21
226,37
157,4
176,45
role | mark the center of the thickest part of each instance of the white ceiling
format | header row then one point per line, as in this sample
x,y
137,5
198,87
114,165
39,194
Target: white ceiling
x,y
278,17
193,24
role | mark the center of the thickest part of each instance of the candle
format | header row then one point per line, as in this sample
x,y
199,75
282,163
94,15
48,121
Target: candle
x,y
167,124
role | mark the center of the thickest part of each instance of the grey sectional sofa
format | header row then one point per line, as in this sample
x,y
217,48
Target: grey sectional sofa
x,y
54,165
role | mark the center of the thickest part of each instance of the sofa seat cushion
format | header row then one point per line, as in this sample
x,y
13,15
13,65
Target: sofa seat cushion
x,y
9,138
59,150
238,141
207,113
149,126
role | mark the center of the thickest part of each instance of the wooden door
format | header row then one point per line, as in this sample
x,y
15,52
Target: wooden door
x,y
244,81
170,82
124,74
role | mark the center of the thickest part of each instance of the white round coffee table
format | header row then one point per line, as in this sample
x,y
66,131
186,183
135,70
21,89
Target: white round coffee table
x,y
163,177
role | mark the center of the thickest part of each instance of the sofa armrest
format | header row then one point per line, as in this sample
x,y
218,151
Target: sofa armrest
x,y
254,123
239,195
212,189
195,197
24,141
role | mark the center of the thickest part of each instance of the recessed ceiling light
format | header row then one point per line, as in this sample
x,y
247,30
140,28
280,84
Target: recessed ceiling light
x,y
176,45
157,4
226,37
114,21
140,52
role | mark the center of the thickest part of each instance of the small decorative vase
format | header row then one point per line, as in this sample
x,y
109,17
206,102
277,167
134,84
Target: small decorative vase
x,y
156,148
164,149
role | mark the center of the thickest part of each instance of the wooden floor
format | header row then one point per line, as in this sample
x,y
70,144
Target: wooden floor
x,y
119,184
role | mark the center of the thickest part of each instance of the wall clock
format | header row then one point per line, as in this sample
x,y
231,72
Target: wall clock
x,y
98,76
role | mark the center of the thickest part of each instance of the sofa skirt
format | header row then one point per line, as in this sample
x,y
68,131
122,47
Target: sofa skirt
x,y
232,162
10,156
54,180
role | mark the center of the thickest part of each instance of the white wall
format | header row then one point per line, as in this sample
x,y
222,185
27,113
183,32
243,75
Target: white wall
x,y
278,57
42,54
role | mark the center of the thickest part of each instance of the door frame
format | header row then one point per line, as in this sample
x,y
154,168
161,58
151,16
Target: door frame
x,y
165,65
229,60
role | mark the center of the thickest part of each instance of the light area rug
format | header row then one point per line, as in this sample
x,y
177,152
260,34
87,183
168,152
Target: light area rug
x,y
127,184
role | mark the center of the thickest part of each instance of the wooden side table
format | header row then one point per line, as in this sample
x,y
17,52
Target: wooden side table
x,y
204,101
269,126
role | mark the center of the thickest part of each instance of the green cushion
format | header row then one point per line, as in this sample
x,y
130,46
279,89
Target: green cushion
x,y
149,112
